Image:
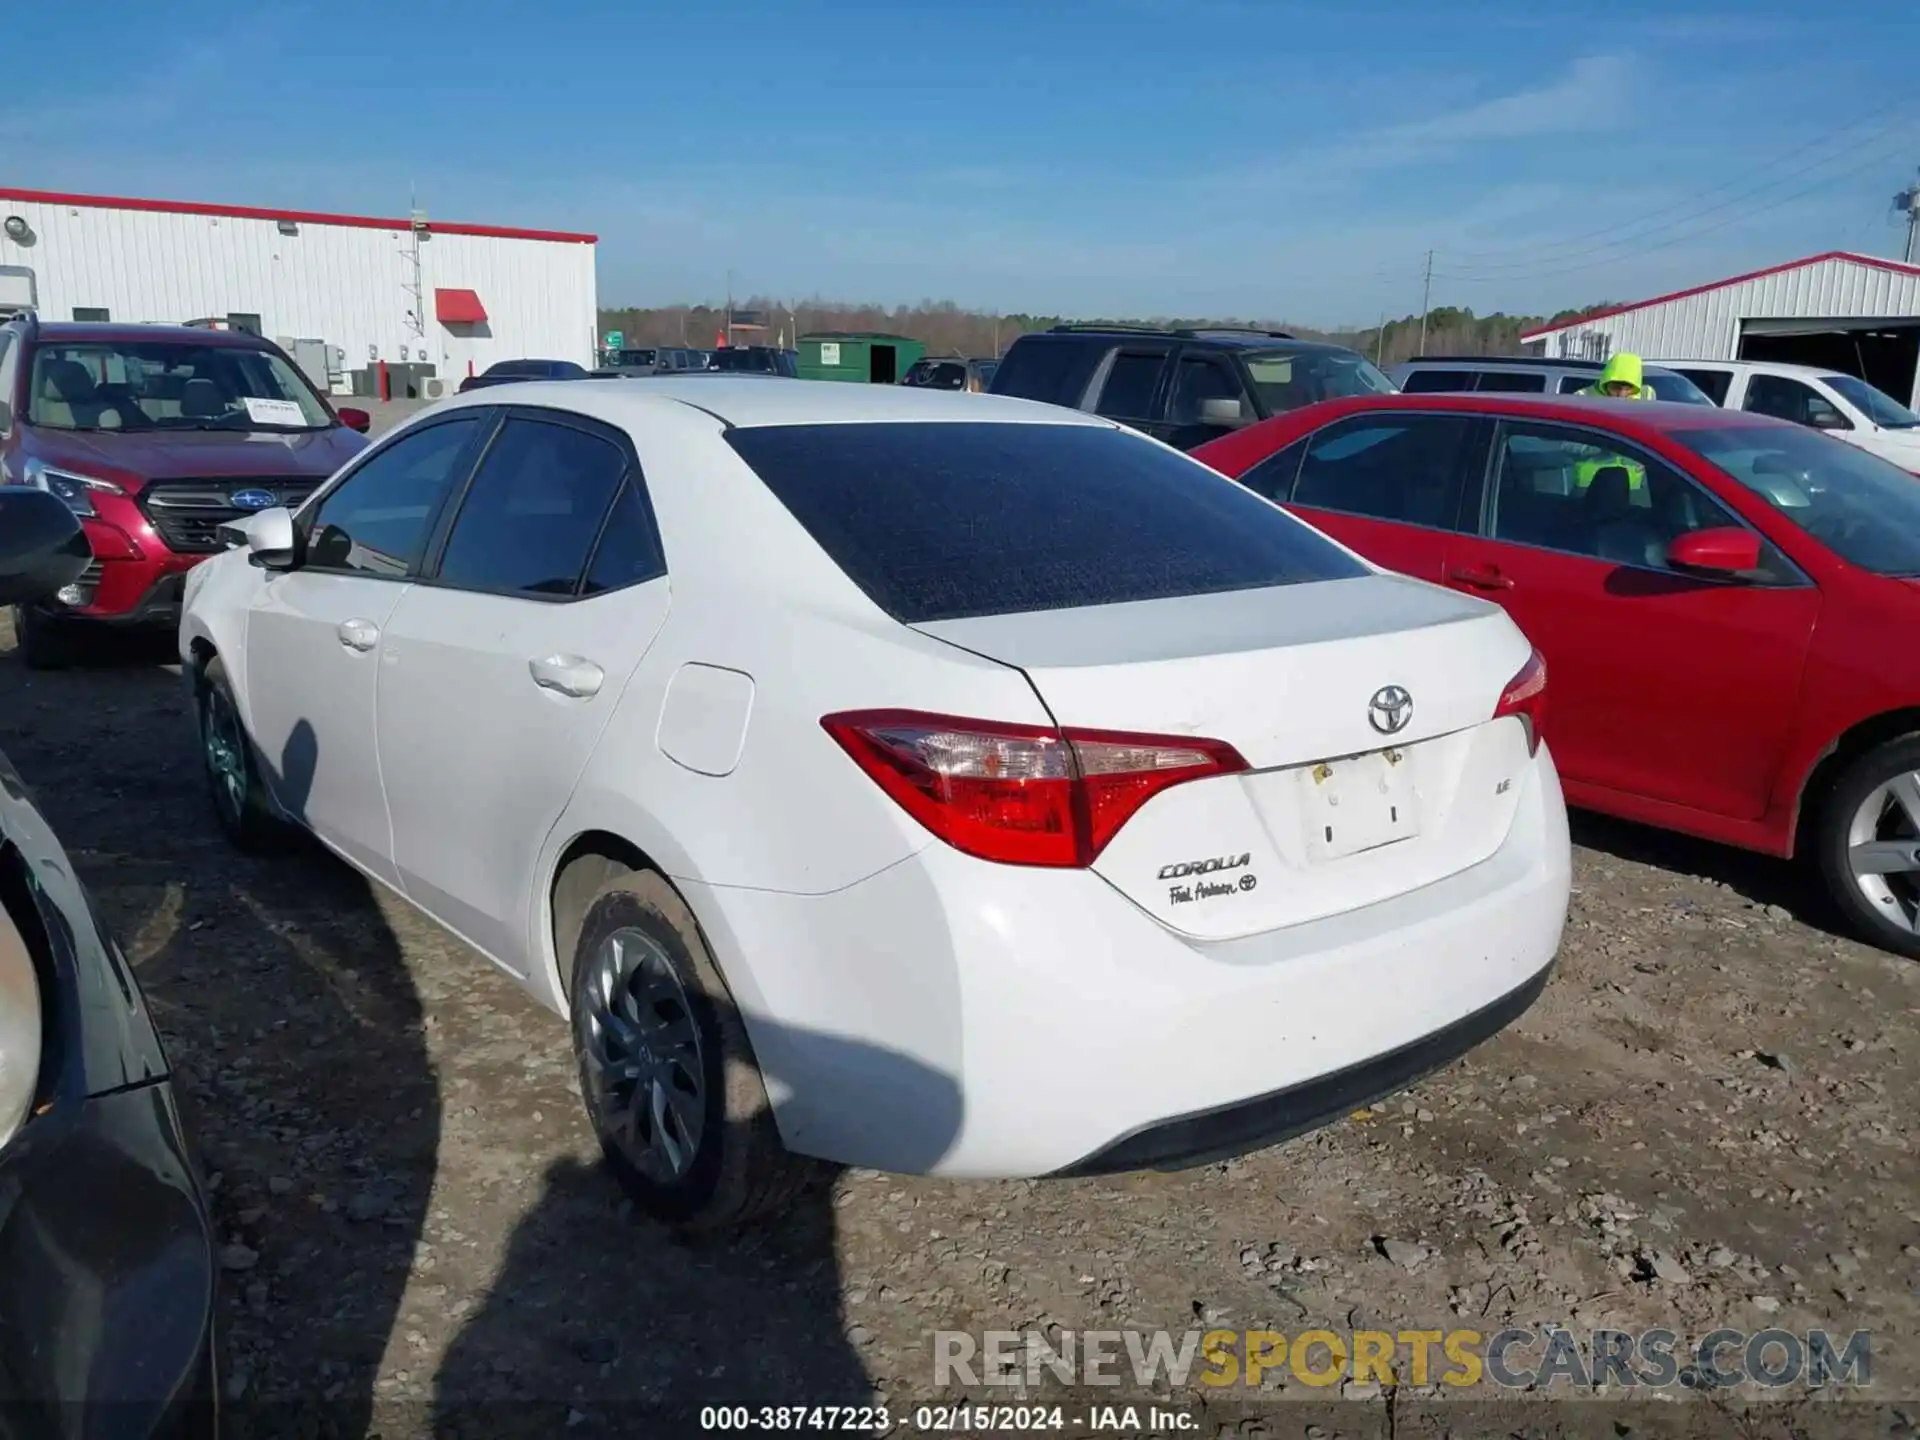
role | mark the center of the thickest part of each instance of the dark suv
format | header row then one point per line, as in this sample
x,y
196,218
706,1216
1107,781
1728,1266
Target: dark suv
x,y
755,360
652,360
155,436
1185,387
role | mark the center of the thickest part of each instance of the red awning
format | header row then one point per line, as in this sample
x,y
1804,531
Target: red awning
x,y
458,307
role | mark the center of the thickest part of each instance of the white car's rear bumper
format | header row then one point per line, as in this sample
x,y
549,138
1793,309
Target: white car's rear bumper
x,y
954,1017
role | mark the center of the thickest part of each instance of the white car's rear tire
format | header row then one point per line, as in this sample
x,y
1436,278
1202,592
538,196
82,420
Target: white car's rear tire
x,y
666,1071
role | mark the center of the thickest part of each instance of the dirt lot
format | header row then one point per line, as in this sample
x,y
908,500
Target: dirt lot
x,y
1708,1120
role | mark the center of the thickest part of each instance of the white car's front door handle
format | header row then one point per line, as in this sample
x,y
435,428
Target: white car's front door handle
x,y
567,674
358,634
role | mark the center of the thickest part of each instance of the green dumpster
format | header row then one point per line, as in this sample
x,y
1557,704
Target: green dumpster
x,y
864,357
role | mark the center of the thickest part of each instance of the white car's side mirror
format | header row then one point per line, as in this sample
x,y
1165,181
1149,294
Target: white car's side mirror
x,y
268,536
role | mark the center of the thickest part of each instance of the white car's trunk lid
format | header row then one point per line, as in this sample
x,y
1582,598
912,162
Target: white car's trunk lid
x,y
1361,707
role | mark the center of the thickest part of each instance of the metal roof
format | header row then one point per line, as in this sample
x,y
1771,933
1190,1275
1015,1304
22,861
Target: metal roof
x,y
298,217
1818,302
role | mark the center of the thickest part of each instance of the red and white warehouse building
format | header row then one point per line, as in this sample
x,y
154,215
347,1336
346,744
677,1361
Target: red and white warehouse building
x,y
1843,311
409,291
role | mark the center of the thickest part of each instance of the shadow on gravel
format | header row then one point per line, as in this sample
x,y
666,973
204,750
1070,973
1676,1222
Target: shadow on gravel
x,y
334,1156
292,1025
655,1327
1760,879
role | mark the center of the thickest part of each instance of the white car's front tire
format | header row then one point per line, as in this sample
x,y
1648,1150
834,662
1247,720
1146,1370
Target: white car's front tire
x,y
233,778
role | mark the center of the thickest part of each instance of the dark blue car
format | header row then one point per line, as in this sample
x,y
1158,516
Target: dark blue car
x,y
510,372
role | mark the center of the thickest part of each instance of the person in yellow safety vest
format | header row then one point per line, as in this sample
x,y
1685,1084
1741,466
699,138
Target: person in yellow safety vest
x,y
1623,379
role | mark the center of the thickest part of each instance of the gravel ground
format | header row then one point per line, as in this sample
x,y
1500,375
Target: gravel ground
x,y
1708,1120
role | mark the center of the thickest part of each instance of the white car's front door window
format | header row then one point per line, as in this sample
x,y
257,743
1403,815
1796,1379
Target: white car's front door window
x,y
314,637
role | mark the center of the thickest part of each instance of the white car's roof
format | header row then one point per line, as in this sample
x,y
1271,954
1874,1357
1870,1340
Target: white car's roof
x,y
749,401
1757,367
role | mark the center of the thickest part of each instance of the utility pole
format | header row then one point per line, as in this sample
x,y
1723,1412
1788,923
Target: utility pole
x,y
1380,339
1426,303
729,309
1909,201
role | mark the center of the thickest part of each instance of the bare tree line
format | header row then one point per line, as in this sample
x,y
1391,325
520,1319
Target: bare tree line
x,y
942,326
946,329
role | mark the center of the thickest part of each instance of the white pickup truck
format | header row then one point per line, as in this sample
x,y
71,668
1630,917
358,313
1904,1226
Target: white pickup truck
x,y
1844,406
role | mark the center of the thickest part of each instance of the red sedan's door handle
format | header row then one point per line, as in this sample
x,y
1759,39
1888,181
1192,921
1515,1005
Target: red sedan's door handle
x,y
1480,577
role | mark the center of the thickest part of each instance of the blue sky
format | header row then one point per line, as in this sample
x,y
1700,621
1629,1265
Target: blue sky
x,y
1220,157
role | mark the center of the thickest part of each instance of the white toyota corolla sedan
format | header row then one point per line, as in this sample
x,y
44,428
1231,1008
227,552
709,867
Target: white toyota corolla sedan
x,y
940,783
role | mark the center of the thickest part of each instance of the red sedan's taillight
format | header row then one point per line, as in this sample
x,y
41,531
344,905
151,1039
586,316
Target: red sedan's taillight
x,y
1526,696
1021,794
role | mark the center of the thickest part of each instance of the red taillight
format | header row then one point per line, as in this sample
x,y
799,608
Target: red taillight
x,y
1021,794
1526,696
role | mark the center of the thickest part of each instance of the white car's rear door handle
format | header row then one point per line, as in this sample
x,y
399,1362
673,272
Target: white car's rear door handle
x,y
358,634
567,674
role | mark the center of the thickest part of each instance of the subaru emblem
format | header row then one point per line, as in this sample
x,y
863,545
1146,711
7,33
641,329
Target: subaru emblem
x,y
254,499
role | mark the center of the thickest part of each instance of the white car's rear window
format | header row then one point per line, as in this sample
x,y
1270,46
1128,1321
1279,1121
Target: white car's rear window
x,y
954,520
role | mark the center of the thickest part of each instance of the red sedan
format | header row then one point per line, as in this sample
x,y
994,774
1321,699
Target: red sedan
x,y
1726,604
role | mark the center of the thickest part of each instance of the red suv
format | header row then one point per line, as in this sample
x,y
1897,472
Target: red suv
x,y
155,436
1725,603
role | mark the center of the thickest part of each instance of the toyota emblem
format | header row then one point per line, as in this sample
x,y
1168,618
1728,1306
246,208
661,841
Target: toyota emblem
x,y
1390,710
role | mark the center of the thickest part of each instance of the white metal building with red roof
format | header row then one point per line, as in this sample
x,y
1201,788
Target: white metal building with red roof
x,y
1856,313
410,292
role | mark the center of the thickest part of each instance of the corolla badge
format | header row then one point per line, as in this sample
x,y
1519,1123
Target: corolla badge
x,y
1390,709
254,499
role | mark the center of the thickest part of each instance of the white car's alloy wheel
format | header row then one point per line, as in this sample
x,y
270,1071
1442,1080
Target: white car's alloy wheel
x,y
666,1071
245,812
224,748
643,1056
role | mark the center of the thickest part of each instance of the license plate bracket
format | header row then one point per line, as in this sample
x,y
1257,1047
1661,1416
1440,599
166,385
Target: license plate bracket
x,y
1357,803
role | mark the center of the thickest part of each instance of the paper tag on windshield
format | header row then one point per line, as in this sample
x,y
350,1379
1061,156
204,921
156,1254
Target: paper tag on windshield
x,y
274,412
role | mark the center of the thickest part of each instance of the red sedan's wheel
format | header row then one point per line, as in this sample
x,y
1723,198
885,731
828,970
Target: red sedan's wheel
x,y
1869,846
